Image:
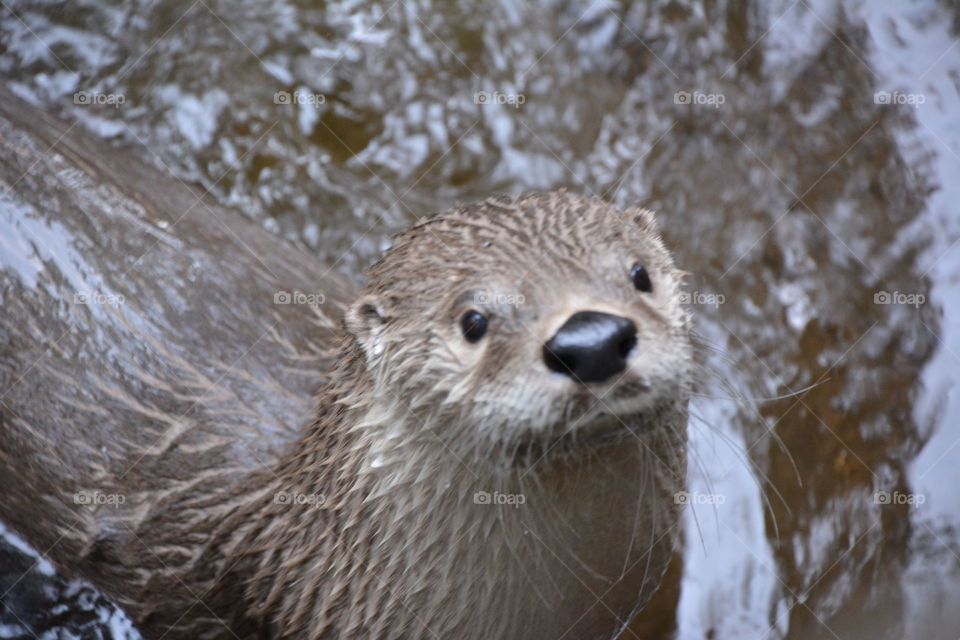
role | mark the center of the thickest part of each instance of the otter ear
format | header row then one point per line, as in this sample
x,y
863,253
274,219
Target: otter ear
x,y
644,219
365,320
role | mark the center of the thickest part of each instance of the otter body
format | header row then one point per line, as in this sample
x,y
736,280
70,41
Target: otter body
x,y
484,442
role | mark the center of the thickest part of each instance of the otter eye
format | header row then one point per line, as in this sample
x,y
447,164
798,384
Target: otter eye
x,y
474,325
640,278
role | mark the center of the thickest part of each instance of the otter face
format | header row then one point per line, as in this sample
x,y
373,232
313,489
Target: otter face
x,y
526,320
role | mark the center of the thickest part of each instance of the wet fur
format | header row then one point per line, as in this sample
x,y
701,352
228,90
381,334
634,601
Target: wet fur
x,y
407,428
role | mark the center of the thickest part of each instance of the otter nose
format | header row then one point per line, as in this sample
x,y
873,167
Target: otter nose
x,y
591,346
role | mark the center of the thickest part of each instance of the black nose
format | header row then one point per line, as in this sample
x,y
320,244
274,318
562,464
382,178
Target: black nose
x,y
591,346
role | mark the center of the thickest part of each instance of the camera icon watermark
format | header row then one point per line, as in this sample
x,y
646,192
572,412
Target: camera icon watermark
x,y
496,97
87,98
699,98
299,297
96,498
486,298
98,298
914,300
685,497
898,498
702,299
299,97
297,499
496,498
897,98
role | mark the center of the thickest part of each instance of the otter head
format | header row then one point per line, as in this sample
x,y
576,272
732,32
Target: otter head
x,y
520,324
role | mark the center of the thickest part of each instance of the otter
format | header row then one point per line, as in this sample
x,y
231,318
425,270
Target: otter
x,y
485,441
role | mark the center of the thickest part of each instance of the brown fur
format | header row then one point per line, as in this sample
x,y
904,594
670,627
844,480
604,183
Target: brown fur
x,y
365,524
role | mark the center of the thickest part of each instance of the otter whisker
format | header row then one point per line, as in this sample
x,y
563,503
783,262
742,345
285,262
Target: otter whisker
x,y
763,480
744,401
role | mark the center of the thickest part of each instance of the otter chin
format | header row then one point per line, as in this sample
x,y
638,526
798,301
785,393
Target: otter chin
x,y
497,436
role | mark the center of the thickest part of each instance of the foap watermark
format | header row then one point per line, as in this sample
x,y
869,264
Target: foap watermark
x,y
87,98
298,297
483,298
96,498
702,299
299,97
899,498
496,97
895,97
295,498
699,98
512,499
914,300
98,298
685,497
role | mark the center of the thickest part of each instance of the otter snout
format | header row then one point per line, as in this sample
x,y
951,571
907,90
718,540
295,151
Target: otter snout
x,y
591,346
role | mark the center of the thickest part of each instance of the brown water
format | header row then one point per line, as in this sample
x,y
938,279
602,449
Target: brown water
x,y
804,158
